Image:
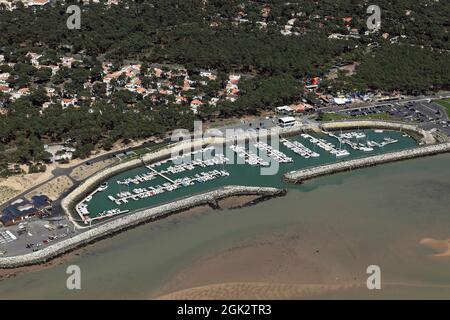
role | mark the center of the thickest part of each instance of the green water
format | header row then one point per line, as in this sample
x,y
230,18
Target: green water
x,y
369,216
240,174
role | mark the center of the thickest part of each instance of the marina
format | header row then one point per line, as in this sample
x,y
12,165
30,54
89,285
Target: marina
x,y
299,149
353,140
327,146
144,193
249,157
273,153
125,196
207,169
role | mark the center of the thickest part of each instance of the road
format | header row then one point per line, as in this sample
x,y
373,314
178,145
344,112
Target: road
x,y
376,104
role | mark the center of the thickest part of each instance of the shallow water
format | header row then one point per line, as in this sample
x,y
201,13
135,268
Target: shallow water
x,y
370,216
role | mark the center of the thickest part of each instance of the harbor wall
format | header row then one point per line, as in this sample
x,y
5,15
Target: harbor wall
x,y
132,220
310,173
413,130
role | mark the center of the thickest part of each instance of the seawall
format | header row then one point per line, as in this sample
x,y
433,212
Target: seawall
x,y
413,130
310,173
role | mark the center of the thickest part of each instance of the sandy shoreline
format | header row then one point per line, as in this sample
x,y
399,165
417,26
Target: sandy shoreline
x,y
441,247
256,291
280,262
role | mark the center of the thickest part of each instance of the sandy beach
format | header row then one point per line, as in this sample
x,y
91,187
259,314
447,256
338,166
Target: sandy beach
x,y
275,266
255,291
441,247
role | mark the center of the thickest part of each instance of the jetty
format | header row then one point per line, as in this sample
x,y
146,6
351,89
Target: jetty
x,y
248,156
300,149
327,146
273,153
145,193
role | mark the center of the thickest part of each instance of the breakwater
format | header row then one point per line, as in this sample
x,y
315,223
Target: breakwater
x,y
310,173
413,130
132,220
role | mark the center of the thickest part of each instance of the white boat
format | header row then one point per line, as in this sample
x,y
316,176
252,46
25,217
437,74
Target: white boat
x,y
103,187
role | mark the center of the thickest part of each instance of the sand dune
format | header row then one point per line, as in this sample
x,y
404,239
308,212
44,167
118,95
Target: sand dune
x,y
255,291
441,247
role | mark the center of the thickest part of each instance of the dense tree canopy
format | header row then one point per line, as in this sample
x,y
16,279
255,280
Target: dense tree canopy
x,y
202,35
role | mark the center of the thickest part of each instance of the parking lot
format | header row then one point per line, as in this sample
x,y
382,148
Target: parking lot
x,y
33,234
428,115
6,236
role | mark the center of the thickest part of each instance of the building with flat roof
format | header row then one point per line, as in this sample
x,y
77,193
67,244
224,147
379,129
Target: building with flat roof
x,y
285,110
23,209
286,122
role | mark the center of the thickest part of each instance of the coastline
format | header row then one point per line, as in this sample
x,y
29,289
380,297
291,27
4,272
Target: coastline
x,y
212,198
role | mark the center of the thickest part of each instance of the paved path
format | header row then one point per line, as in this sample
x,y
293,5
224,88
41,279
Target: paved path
x,y
375,104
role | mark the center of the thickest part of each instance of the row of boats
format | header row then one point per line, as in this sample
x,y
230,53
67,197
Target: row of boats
x,y
144,193
138,179
327,146
82,207
218,159
353,135
194,156
109,213
273,153
300,149
249,157
352,139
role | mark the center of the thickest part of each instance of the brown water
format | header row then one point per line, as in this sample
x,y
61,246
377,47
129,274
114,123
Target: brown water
x,y
327,231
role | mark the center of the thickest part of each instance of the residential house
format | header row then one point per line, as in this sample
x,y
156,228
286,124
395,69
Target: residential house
x,y
67,102
195,104
5,89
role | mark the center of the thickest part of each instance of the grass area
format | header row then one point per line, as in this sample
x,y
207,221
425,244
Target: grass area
x,y
337,117
222,123
143,151
6,193
53,189
446,104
